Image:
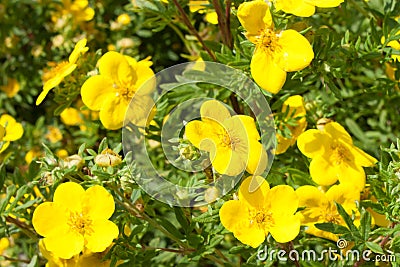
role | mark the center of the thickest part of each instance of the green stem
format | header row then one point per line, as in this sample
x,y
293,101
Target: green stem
x,y
192,29
134,211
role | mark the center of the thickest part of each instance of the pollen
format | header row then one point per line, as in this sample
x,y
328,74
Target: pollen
x,y
80,223
267,40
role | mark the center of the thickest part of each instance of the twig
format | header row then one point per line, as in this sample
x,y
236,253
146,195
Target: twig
x,y
192,29
291,247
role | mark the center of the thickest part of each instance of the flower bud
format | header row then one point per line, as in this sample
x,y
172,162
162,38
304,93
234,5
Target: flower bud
x,y
108,158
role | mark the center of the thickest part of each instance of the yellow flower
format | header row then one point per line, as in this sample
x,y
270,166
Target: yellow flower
x,y
200,7
2,132
276,52
71,116
32,154
11,88
54,134
11,130
76,220
79,10
4,244
53,77
294,108
334,157
124,19
261,210
395,44
62,153
232,141
319,207
304,8
84,260
116,86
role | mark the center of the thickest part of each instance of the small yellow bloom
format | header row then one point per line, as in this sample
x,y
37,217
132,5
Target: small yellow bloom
x,y
294,108
304,8
11,88
260,211
71,117
232,141
116,86
200,7
77,10
76,220
62,153
4,244
319,207
395,44
276,52
53,77
84,260
11,130
32,154
54,134
334,157
124,19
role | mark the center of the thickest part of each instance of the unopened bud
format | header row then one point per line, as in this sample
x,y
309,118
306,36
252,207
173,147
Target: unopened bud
x,y
74,160
108,158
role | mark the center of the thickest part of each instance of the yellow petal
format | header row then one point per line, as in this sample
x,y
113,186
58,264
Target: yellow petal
x,y
250,234
48,217
65,244
295,53
249,126
312,230
345,196
226,161
112,62
257,160
98,202
254,16
4,146
80,48
254,191
146,81
361,158
285,228
65,70
69,195
314,202
96,90
352,175
266,73
313,143
112,114
284,201
212,17
2,132
299,8
325,3
104,232
337,131
323,172
214,110
141,110
283,144
13,129
201,135
230,212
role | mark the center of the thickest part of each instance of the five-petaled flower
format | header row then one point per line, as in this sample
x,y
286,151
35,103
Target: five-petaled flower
x,y
320,207
121,91
261,210
304,8
276,52
294,108
334,157
10,130
233,141
54,76
76,220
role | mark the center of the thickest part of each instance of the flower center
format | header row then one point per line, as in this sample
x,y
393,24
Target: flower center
x,y
56,69
124,91
268,40
262,217
332,215
340,154
80,223
229,141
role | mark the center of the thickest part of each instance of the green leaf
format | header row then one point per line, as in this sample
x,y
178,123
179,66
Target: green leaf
x,y
180,216
333,228
374,247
